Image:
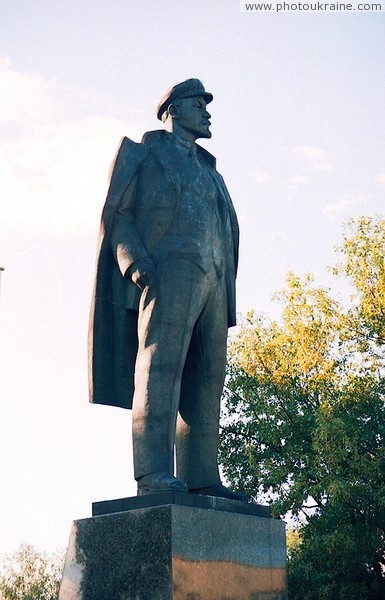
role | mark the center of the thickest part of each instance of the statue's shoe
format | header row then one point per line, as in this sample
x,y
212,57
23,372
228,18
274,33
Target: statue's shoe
x,y
160,482
220,491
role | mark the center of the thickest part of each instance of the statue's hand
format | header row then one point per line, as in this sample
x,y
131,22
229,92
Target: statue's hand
x,y
142,272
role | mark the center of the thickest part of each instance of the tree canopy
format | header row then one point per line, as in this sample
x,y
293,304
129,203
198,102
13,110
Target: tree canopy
x,y
304,421
29,574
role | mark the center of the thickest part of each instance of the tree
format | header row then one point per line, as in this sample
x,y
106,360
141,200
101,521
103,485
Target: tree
x,y
30,575
363,250
304,422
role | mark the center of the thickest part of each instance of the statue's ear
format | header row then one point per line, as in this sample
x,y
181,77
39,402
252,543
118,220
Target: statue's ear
x,y
173,111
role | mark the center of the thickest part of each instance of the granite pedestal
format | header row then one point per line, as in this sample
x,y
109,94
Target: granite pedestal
x,y
176,546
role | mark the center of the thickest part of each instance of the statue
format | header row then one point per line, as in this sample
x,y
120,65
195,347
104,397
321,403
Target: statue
x,y
164,297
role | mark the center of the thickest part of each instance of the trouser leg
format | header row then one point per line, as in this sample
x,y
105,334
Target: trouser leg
x,y
201,390
167,315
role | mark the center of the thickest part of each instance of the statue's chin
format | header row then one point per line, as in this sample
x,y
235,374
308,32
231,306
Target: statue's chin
x,y
205,134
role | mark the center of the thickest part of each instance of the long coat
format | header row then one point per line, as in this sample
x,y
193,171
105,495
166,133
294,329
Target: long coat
x,y
113,342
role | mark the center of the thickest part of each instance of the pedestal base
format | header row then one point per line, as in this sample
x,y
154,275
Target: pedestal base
x,y
176,552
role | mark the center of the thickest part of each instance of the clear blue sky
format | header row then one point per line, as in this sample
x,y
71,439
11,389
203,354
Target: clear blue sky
x,y
298,131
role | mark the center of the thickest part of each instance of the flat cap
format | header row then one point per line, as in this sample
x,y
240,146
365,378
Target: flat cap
x,y
186,89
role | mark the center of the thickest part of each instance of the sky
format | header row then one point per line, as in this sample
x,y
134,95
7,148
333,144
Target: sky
x,y
298,132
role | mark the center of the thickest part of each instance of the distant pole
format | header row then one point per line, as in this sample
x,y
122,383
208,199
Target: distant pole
x,y
1,270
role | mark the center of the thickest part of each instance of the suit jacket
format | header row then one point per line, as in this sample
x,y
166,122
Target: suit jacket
x,y
137,215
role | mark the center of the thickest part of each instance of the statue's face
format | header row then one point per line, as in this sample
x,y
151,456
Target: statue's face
x,y
193,118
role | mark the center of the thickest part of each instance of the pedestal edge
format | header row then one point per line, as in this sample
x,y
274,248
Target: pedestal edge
x,y
106,507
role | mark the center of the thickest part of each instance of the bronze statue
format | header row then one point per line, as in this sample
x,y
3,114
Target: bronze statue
x,y
164,297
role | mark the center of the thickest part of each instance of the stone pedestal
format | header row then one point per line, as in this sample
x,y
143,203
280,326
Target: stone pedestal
x,y
176,547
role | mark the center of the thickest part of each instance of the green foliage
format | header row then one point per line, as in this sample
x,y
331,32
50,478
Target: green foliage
x,y
339,556
30,575
304,422
363,249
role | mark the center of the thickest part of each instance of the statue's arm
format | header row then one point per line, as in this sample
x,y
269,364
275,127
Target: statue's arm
x,y
129,251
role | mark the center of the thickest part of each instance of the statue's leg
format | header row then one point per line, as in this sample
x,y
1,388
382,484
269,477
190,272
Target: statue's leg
x,y
201,390
167,314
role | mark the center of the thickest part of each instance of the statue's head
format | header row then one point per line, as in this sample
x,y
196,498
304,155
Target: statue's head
x,y
183,110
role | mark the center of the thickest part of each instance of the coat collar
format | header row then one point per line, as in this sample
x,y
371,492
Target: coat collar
x,y
159,135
